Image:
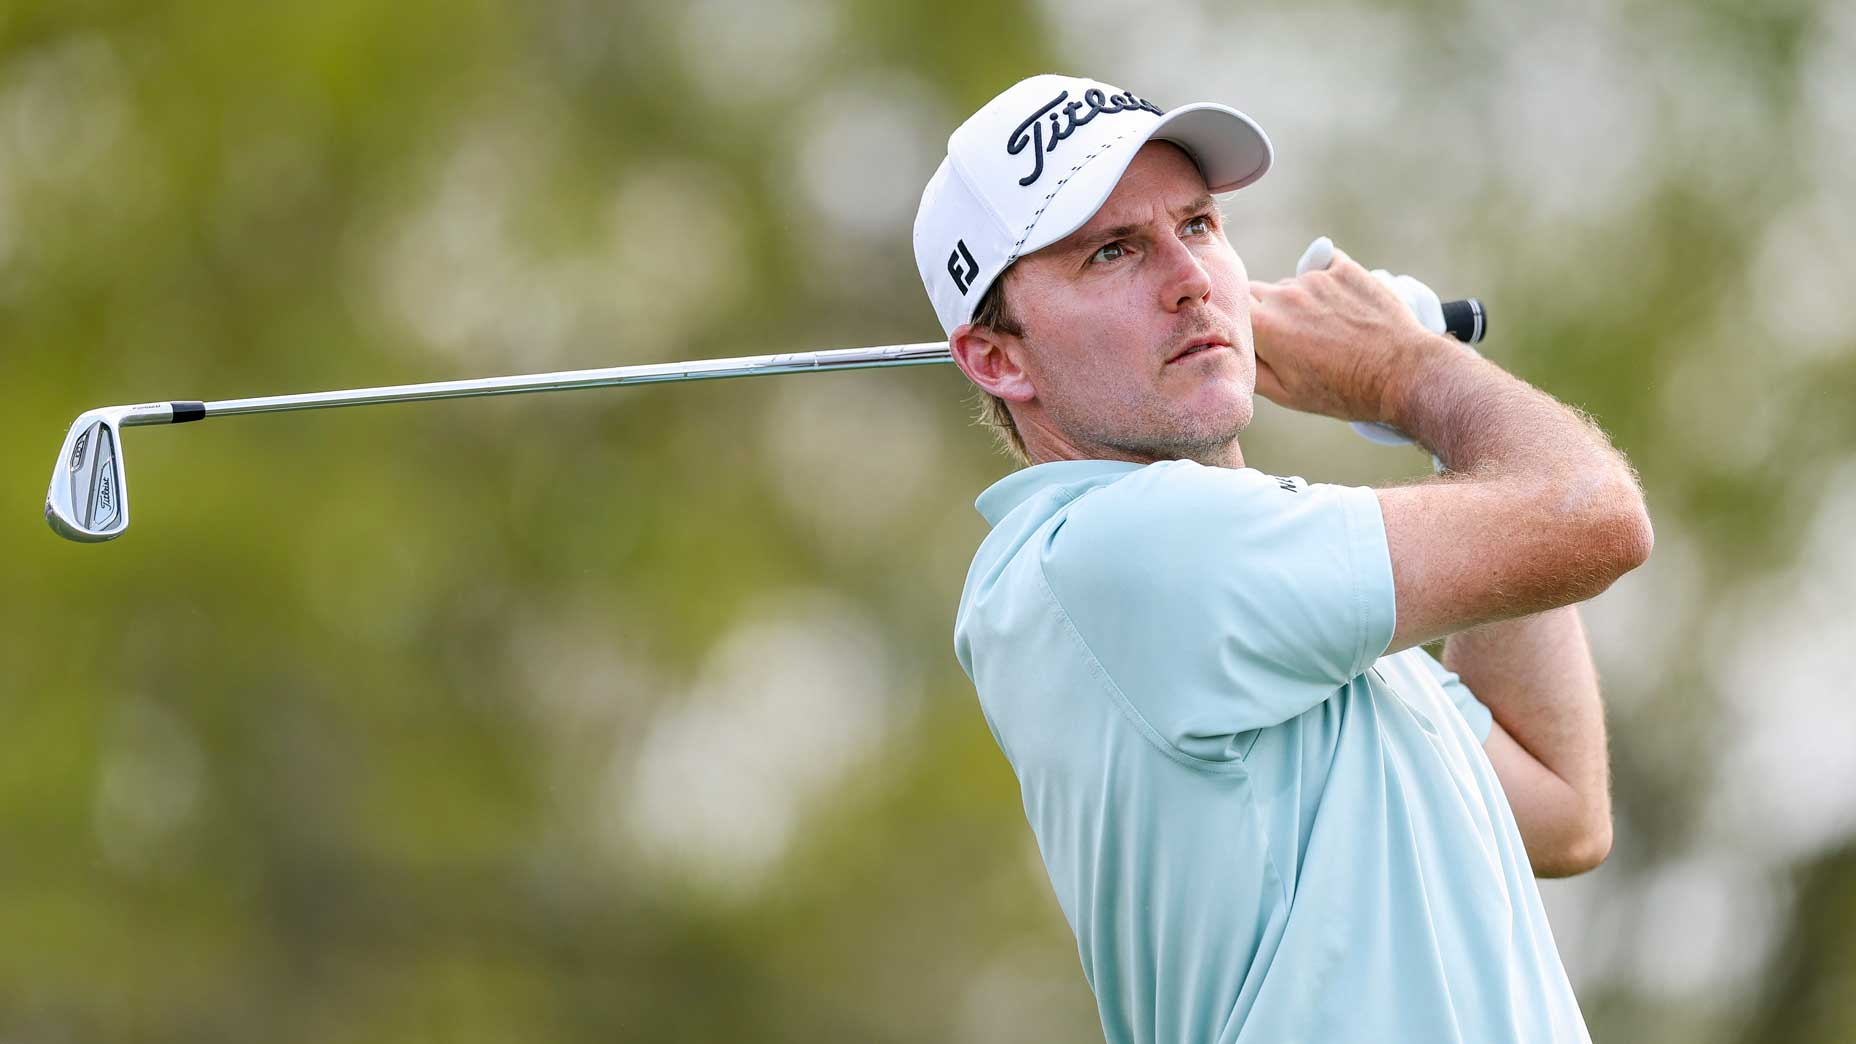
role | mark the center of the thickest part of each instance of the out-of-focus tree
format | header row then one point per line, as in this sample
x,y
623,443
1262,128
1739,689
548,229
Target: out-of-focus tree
x,y
634,713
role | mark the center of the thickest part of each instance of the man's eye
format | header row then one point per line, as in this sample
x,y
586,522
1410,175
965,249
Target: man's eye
x,y
1111,252
1199,226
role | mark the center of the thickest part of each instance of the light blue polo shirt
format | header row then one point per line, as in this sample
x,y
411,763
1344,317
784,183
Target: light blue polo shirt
x,y
1258,827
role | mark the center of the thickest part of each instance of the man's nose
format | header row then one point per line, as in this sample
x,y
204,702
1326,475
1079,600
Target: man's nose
x,y
1187,280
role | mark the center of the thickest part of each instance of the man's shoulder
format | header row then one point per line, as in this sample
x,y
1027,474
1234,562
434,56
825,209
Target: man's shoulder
x,y
1167,522
1170,502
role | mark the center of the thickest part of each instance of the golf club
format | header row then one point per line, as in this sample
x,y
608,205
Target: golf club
x,y
89,499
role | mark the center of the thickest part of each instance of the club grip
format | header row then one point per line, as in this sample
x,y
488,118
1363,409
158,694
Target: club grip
x,y
1466,320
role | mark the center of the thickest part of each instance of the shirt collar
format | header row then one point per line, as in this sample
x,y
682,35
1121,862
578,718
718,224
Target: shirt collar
x,y
1005,495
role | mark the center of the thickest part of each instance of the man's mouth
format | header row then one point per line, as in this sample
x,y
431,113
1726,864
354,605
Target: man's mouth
x,y
1199,347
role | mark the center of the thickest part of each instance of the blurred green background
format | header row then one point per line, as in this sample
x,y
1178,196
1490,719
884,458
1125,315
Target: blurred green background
x,y
633,714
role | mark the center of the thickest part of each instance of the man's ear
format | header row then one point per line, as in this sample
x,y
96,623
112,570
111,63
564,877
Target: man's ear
x,y
990,359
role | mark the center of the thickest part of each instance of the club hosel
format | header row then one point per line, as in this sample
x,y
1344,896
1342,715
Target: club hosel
x,y
143,413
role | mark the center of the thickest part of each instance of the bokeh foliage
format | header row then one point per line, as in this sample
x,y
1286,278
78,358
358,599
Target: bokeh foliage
x,y
633,714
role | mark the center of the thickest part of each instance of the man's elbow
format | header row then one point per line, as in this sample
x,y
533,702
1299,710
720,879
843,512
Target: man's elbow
x,y
1636,537
1625,534
1605,529
1615,539
1582,852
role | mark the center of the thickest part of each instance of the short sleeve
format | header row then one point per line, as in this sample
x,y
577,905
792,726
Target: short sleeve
x,y
1472,709
1219,600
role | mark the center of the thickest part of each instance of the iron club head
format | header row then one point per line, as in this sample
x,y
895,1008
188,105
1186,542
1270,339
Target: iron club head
x,y
88,500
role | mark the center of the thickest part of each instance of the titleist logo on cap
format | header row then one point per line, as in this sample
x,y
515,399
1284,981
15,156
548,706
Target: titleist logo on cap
x,y
1064,121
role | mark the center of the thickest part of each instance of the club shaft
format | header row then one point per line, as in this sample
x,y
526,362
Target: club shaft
x,y
1466,326
611,376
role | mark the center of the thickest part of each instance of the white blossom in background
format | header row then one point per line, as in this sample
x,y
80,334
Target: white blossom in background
x,y
855,145
1013,997
1634,627
448,273
1799,290
749,54
151,784
1590,917
853,455
582,674
68,133
1827,100
672,259
791,706
462,274
1705,927
61,108
1729,432
587,680
1569,111
9,215
1786,787
1799,280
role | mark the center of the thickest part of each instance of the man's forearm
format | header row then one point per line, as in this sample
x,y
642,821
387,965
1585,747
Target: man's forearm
x,y
1480,420
1530,475
1535,674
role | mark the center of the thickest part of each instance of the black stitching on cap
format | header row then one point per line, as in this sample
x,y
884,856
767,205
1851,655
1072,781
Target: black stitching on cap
x,y
1053,192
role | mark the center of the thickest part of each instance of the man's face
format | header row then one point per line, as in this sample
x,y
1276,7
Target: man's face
x,y
1107,311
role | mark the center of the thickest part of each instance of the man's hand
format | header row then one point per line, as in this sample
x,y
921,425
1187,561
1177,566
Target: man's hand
x,y
1337,342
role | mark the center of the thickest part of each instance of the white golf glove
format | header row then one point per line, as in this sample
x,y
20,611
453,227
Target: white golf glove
x,y
1423,302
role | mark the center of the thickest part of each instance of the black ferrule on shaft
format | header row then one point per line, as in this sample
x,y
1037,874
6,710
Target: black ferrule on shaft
x,y
188,411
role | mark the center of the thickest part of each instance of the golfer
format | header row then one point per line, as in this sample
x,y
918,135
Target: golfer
x,y
1267,813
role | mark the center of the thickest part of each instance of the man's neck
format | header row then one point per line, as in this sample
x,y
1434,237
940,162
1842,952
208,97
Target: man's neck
x,y
1043,451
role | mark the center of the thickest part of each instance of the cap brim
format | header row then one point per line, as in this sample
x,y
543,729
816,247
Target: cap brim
x,y
1231,151
1229,147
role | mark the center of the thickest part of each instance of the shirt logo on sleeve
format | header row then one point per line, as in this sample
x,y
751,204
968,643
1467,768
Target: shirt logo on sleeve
x,y
1288,485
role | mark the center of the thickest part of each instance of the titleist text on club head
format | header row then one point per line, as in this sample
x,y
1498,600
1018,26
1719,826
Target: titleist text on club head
x,y
87,499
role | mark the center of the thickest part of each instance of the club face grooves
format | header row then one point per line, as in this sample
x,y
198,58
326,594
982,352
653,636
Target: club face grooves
x,y
104,493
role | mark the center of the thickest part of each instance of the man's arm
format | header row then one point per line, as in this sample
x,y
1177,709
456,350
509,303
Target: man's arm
x,y
1547,746
1535,510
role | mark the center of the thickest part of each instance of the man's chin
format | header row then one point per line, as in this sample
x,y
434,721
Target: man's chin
x,y
1231,411
1209,434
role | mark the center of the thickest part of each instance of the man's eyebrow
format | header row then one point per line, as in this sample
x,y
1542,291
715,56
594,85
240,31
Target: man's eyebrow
x,y
1101,236
1197,206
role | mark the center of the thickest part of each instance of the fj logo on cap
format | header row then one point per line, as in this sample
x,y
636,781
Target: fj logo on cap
x,y
1064,121
961,266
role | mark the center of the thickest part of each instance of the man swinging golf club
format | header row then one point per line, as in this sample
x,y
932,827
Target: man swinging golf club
x,y
1267,813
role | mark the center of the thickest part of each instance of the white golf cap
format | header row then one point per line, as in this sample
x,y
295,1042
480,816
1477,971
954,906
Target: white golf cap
x,y
1036,163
